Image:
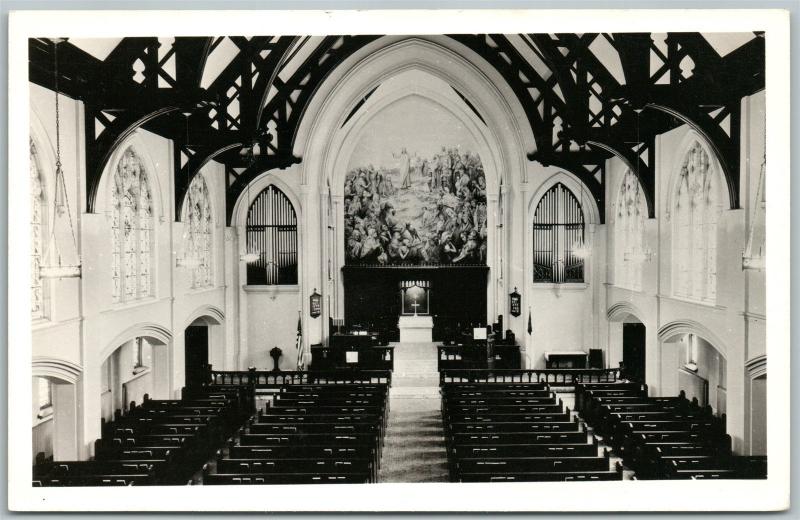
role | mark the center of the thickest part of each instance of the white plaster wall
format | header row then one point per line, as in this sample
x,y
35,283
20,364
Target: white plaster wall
x,y
83,325
267,315
272,322
735,324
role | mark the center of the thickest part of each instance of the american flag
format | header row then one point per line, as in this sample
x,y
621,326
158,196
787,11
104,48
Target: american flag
x,y
301,364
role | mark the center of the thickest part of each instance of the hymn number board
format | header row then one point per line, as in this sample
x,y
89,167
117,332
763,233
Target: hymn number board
x,y
415,297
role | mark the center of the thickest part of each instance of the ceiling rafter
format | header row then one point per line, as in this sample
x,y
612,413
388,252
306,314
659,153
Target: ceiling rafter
x,y
579,113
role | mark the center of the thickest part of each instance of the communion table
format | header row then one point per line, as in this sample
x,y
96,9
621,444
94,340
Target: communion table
x,y
415,329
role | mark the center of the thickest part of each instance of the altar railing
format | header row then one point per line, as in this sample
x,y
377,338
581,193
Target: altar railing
x,y
270,378
553,376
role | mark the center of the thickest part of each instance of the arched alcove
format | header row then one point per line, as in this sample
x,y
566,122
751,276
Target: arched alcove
x,y
627,338
395,70
694,359
756,406
55,414
137,361
204,342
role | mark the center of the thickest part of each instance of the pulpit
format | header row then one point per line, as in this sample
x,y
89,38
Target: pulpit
x,y
415,329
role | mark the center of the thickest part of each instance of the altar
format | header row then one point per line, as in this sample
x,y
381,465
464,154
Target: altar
x,y
415,323
415,329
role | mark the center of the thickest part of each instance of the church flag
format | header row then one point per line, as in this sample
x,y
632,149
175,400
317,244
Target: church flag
x,y
530,322
300,357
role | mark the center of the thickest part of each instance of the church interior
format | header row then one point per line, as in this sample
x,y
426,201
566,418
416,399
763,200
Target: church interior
x,y
366,259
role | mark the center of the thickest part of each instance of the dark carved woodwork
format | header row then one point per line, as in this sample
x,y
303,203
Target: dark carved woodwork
x,y
579,113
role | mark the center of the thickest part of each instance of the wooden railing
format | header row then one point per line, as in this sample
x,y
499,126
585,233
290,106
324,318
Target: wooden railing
x,y
478,357
372,357
266,379
553,376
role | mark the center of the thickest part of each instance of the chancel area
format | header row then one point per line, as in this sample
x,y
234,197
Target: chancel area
x,y
366,259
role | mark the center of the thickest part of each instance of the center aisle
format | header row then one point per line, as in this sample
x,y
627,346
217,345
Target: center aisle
x,y
414,449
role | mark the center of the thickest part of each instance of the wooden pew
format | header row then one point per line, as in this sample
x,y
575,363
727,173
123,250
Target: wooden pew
x,y
309,434
500,432
284,478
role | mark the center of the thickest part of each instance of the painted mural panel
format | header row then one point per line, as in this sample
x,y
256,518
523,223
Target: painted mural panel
x,y
425,202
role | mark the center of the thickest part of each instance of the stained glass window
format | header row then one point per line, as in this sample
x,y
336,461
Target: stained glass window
x,y
199,239
38,212
696,212
131,230
629,233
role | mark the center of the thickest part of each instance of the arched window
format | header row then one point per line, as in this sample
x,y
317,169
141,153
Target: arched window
x,y
199,239
557,226
695,215
272,234
38,231
131,229
629,233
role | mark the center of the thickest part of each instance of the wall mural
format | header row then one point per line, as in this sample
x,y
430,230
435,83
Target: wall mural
x,y
418,209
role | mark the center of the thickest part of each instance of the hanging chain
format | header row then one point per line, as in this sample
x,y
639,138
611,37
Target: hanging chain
x,y
61,185
58,114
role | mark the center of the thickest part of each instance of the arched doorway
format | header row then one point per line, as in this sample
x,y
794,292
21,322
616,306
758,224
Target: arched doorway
x,y
196,352
628,341
693,362
138,365
633,350
55,407
756,401
203,345
54,419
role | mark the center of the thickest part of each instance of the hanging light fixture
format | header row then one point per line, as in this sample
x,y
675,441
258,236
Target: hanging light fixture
x,y
579,247
754,255
190,258
56,266
252,254
642,253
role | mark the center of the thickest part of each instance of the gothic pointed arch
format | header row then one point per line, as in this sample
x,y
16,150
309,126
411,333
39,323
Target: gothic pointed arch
x,y
676,328
39,230
559,229
695,207
132,229
199,233
272,234
630,212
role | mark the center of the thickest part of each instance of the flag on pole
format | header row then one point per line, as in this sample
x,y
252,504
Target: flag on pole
x,y
530,322
301,365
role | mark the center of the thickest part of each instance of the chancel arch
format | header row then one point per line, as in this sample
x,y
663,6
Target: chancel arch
x,y
490,118
450,155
